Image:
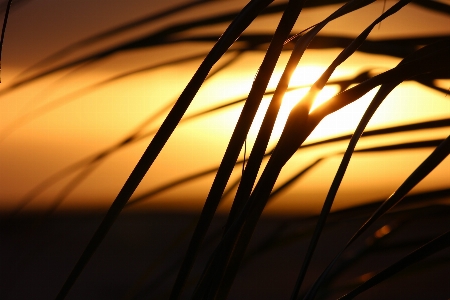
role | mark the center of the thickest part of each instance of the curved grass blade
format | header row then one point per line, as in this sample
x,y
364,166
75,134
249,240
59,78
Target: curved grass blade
x,y
438,244
379,97
410,145
238,137
157,38
401,127
377,243
168,272
163,36
2,38
430,58
402,146
265,131
395,47
135,137
97,38
227,39
432,161
286,150
95,158
429,81
150,18
434,5
388,130
153,17
173,184
91,165
373,243
54,104
269,120
422,70
271,242
93,161
294,178
288,144
162,258
17,3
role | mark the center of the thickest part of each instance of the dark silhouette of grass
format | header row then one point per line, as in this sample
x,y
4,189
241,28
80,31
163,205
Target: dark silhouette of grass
x,y
424,59
283,236
2,38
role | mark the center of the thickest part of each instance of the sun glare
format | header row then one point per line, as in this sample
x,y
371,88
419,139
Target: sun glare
x,y
291,98
302,78
306,75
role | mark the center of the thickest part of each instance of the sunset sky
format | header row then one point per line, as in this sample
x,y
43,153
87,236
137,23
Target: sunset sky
x,y
57,120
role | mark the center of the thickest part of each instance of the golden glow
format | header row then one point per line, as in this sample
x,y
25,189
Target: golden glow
x,y
306,75
292,98
342,121
98,119
383,231
303,77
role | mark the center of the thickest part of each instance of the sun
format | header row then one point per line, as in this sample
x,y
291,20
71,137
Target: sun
x,y
301,81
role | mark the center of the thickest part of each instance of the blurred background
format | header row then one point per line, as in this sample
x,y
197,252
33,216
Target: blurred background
x,y
85,85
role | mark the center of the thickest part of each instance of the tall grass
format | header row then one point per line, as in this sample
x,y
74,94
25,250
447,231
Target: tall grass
x,y
423,60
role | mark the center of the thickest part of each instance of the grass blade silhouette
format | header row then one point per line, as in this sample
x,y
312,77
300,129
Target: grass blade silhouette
x,y
98,38
438,244
432,161
379,97
162,37
268,181
163,134
2,38
237,140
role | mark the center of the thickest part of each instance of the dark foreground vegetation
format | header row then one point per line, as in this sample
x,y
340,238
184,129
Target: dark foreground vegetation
x,y
395,248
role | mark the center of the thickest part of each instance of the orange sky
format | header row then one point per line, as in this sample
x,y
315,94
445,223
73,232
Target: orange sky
x,y
91,121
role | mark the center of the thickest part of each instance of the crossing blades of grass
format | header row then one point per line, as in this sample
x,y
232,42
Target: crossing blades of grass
x,y
227,39
438,244
288,147
237,140
382,93
432,161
